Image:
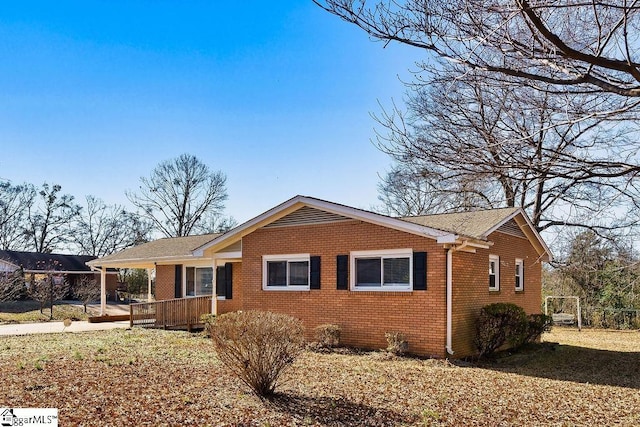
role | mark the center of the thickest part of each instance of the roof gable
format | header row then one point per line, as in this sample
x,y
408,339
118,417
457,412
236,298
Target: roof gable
x,y
301,208
480,224
472,229
307,215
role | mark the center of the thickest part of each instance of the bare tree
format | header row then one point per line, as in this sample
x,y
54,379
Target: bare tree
x,y
49,219
87,290
14,202
101,229
49,286
179,195
218,223
11,285
409,189
566,159
587,45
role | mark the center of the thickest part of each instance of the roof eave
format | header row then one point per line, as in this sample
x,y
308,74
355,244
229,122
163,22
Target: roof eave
x,y
299,201
545,253
140,261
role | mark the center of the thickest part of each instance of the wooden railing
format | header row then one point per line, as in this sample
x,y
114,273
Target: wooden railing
x,y
172,313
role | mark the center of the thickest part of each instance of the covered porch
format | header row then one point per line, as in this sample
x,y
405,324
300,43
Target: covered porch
x,y
186,283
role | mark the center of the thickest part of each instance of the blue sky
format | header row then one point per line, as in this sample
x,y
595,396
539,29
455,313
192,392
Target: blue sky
x,y
277,95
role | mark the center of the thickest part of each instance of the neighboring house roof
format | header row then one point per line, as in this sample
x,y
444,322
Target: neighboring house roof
x,y
35,261
476,224
168,248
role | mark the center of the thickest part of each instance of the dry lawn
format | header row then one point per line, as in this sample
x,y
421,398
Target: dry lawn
x,y
29,312
142,377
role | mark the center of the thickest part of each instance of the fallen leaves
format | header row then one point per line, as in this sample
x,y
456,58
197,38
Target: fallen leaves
x,y
150,377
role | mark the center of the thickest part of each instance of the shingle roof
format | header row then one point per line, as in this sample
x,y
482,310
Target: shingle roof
x,y
35,261
474,224
167,247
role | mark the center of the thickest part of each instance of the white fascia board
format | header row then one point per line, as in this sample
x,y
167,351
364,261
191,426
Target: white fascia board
x,y
375,218
347,211
505,220
447,238
531,227
128,263
237,232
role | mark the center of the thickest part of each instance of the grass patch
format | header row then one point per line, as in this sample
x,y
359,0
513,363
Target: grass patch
x,y
29,312
149,377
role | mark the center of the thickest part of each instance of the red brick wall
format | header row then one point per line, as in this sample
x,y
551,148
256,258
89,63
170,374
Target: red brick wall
x,y
235,303
471,285
363,316
165,282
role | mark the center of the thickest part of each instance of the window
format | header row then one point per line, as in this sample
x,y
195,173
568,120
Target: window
x,y
382,270
494,273
519,274
199,281
285,272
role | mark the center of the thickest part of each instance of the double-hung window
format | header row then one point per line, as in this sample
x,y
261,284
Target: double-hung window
x,y
494,273
285,272
519,274
390,270
199,281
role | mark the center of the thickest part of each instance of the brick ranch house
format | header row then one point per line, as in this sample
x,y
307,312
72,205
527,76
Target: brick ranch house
x,y
322,262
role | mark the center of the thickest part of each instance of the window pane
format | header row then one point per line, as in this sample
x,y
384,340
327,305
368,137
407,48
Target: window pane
x,y
368,272
204,281
299,273
396,271
277,273
190,282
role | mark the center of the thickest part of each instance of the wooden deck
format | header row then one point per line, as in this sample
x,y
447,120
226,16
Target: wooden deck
x,y
179,313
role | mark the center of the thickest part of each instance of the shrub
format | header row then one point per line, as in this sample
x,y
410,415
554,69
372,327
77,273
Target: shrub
x,y
498,324
328,335
257,346
530,330
208,321
396,343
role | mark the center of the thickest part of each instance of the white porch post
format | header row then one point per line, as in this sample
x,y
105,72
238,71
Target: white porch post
x,y
149,296
214,297
103,291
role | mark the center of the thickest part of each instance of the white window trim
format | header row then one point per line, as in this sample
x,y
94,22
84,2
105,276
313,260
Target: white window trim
x,y
520,278
288,258
495,258
196,266
387,253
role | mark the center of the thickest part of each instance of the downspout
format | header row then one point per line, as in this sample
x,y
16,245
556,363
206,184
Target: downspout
x,y
450,251
103,291
449,299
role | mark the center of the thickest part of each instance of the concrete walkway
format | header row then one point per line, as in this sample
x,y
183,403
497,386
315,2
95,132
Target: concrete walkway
x,y
57,327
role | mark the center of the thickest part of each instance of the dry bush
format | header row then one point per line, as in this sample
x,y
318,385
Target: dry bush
x,y
257,346
11,285
328,335
396,343
208,320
